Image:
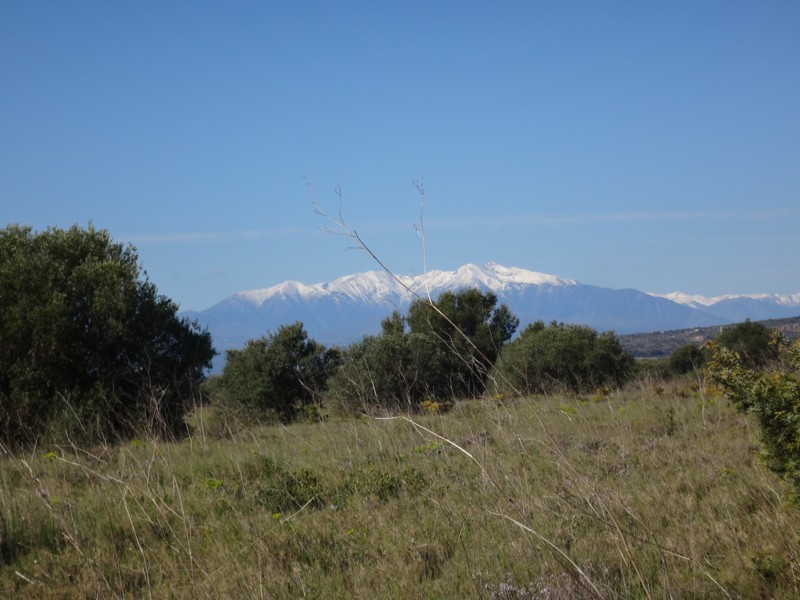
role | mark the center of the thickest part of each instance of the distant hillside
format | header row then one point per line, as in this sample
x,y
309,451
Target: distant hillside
x,y
662,343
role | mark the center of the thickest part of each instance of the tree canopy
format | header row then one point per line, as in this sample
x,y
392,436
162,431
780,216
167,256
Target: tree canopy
x,y
751,341
686,359
88,346
440,350
277,375
555,357
468,329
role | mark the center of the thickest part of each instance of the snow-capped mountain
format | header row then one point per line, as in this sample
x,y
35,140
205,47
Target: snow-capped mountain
x,y
345,309
378,287
738,307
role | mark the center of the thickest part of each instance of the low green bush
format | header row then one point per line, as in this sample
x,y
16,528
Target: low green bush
x,y
686,359
773,396
276,377
438,352
549,358
752,341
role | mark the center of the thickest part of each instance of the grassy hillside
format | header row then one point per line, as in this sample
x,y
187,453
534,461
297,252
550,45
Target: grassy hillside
x,y
652,491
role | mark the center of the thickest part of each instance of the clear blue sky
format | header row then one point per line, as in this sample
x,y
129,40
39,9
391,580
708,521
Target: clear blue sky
x,y
623,144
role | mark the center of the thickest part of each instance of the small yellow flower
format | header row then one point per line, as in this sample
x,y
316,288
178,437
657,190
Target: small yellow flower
x,y
430,407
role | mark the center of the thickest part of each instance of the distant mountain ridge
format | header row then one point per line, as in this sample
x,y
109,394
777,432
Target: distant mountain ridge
x,y
381,288
695,300
345,309
738,307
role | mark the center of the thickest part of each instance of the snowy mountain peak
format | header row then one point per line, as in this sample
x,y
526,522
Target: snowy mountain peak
x,y
373,285
698,301
693,300
294,290
492,276
379,286
516,275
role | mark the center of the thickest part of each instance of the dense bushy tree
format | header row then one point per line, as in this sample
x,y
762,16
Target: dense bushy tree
x,y
374,372
772,396
277,375
686,359
573,357
430,354
87,345
751,341
467,330
387,370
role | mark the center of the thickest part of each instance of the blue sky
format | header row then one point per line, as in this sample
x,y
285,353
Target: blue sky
x,y
623,144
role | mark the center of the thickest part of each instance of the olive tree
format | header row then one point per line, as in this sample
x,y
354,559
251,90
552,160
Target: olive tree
x,y
276,376
751,341
88,347
442,350
467,330
555,357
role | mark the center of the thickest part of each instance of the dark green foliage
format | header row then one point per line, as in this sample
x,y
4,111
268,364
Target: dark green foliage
x,y
281,489
275,376
87,347
387,370
443,351
772,396
573,357
751,341
686,359
464,337
381,370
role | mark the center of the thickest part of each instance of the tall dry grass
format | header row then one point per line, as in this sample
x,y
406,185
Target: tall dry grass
x,y
651,491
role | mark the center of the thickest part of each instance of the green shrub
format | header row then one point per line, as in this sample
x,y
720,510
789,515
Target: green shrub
x,y
751,341
438,352
89,348
460,338
652,368
281,489
378,371
544,359
275,377
686,359
773,396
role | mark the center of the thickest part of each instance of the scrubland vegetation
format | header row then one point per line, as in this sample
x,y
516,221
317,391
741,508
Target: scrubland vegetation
x,y
441,458
650,491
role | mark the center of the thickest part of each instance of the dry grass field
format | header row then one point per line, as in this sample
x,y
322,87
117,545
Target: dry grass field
x,y
651,491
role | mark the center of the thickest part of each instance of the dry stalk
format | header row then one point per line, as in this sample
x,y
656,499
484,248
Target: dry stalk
x,y
583,579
